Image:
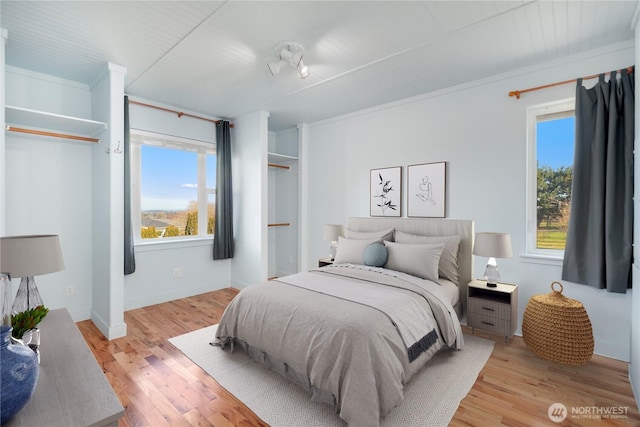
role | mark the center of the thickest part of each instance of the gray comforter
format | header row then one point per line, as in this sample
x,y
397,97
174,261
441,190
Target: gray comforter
x,y
347,350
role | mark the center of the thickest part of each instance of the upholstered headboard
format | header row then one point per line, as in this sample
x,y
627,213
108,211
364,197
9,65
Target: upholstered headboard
x,y
430,227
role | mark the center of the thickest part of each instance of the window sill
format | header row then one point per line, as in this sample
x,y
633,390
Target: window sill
x,y
166,245
547,259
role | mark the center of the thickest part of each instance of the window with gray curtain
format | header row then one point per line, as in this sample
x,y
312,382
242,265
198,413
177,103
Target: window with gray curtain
x,y
129,255
598,252
223,228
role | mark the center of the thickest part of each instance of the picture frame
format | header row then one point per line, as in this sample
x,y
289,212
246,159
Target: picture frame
x,y
385,192
426,190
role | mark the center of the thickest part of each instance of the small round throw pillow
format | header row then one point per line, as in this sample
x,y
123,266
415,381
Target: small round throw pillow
x,y
375,254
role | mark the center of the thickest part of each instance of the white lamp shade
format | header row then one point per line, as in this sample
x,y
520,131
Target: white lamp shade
x,y
28,256
496,245
332,232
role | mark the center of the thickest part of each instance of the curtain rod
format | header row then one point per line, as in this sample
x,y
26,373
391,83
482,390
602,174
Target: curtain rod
x,y
179,113
52,134
517,93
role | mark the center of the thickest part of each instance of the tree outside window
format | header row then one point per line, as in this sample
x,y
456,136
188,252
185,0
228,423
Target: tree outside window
x,y
551,139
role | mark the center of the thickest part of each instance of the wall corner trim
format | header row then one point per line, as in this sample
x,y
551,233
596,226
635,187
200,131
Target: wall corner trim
x,y
636,16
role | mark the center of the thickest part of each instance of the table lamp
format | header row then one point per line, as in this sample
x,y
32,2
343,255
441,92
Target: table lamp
x,y
28,256
332,232
492,245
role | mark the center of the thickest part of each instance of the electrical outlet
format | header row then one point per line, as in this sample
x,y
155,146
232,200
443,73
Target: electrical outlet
x,y
177,272
70,291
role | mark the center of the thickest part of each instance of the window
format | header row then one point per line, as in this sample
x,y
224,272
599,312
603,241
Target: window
x,y
551,138
173,187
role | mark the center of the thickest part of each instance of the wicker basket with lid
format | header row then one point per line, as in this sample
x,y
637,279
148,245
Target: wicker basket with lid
x,y
558,328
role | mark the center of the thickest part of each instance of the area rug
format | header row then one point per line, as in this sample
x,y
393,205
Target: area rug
x,y
431,398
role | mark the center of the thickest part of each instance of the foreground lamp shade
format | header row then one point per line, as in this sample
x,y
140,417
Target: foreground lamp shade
x,y
28,256
492,245
331,233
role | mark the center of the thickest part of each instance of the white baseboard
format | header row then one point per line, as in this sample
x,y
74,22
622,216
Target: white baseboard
x,y
80,315
110,332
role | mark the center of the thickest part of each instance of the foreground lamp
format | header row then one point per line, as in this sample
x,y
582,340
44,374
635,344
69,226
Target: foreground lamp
x,y
332,232
28,256
289,53
492,245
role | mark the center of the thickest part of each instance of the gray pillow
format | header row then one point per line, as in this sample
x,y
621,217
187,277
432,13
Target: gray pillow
x,y
375,254
417,260
369,235
448,267
351,250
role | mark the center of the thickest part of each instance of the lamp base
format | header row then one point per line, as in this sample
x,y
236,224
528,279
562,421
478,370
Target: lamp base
x,y
491,273
27,297
334,250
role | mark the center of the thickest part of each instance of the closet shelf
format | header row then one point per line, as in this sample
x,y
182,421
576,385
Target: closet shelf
x,y
282,159
40,122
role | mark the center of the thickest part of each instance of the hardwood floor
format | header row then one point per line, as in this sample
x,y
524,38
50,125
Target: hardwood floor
x,y
159,386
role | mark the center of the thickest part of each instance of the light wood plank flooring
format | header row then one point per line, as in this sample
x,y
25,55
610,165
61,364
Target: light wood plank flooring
x,y
159,386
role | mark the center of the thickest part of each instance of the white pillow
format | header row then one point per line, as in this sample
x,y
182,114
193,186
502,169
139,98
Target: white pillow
x,y
368,235
417,260
448,267
351,250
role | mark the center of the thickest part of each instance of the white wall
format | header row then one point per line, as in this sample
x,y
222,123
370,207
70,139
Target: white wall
x,y
250,192
153,280
48,186
481,133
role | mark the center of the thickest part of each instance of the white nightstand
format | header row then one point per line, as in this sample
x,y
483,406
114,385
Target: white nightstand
x,y
492,309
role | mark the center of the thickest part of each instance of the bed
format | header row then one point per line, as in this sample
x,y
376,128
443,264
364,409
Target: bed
x,y
352,335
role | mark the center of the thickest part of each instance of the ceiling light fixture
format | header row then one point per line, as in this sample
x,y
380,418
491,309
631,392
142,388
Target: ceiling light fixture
x,y
289,53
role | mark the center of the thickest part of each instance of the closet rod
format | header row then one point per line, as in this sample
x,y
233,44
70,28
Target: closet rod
x,y
517,93
53,134
179,113
280,224
274,165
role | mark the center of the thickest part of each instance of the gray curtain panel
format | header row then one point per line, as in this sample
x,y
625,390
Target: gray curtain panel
x,y
129,255
599,241
223,229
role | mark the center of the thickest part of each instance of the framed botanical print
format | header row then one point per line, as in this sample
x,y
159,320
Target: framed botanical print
x,y
426,190
386,192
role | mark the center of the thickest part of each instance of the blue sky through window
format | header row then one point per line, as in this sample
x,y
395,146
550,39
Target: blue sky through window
x,y
555,142
170,177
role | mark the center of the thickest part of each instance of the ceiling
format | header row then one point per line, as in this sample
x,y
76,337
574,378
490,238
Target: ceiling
x,y
210,57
